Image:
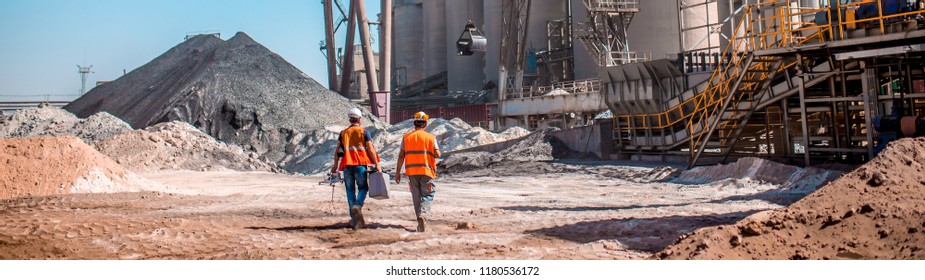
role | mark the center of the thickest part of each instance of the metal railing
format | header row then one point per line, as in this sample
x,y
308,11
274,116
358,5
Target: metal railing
x,y
747,38
622,57
612,5
569,87
881,19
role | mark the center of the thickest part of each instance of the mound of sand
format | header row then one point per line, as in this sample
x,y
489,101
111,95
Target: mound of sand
x,y
237,90
177,145
50,121
59,165
874,212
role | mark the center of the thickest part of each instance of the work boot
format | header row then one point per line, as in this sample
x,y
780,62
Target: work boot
x,y
358,217
421,224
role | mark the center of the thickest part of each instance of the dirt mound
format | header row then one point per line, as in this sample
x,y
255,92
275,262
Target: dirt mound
x,y
237,90
538,146
177,145
49,121
874,212
58,165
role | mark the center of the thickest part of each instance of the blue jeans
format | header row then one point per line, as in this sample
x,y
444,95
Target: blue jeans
x,y
355,178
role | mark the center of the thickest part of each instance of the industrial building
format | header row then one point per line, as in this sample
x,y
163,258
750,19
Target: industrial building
x,y
696,81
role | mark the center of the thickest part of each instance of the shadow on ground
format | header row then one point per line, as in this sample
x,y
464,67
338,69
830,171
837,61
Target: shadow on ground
x,y
327,227
650,234
588,208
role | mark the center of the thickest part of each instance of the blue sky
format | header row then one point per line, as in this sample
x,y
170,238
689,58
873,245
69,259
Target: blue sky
x,y
44,40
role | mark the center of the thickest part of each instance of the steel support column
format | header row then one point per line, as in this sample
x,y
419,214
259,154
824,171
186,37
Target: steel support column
x,y
802,86
329,43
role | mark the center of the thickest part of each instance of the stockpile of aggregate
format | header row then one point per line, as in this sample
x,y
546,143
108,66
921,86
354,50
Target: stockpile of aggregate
x,y
175,146
50,121
163,146
876,211
537,147
315,153
237,91
40,166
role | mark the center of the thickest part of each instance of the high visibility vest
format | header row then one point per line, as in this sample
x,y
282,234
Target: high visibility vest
x,y
354,146
420,154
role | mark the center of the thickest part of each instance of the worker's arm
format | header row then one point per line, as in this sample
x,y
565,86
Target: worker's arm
x,y
399,165
373,156
336,163
338,152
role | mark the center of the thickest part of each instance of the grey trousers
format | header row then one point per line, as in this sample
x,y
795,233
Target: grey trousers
x,y
422,193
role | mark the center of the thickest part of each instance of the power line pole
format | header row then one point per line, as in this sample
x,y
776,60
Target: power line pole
x,y
84,72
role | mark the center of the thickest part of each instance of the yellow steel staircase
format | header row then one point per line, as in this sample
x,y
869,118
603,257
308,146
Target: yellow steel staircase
x,y
716,116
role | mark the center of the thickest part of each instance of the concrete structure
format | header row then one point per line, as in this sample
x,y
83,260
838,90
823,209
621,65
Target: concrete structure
x,y
359,86
463,72
408,45
435,39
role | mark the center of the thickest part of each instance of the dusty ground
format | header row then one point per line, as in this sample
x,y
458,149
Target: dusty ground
x,y
248,215
876,211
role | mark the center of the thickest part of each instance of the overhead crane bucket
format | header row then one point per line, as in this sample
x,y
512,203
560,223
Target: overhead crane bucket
x,y
471,41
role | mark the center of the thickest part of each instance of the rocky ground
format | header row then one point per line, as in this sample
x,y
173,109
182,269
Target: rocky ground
x,y
876,211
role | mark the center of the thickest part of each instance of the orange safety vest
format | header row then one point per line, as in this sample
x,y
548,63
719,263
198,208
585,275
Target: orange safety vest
x,y
420,154
354,146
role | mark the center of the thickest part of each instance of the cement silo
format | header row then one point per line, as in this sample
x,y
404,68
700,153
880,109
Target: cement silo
x,y
464,72
655,29
492,30
435,43
408,23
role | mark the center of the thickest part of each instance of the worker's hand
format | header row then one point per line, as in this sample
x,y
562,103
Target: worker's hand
x,y
378,168
398,177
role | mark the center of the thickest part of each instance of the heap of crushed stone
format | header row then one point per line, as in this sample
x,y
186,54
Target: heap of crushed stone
x,y
50,121
177,145
452,135
237,90
315,150
539,146
60,165
876,211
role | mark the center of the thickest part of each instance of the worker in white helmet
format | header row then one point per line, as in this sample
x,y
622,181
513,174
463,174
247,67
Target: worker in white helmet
x,y
355,148
418,154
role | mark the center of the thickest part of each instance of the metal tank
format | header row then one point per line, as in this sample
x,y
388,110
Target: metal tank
x,y
464,73
408,23
435,43
492,30
655,29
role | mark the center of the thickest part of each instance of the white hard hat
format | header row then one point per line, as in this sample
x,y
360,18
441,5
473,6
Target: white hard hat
x,y
354,113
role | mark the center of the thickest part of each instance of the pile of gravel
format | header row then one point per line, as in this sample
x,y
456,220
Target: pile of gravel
x,y
238,91
177,145
50,121
539,146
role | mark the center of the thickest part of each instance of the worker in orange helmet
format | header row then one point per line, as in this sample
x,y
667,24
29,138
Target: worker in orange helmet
x,y
355,151
419,154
